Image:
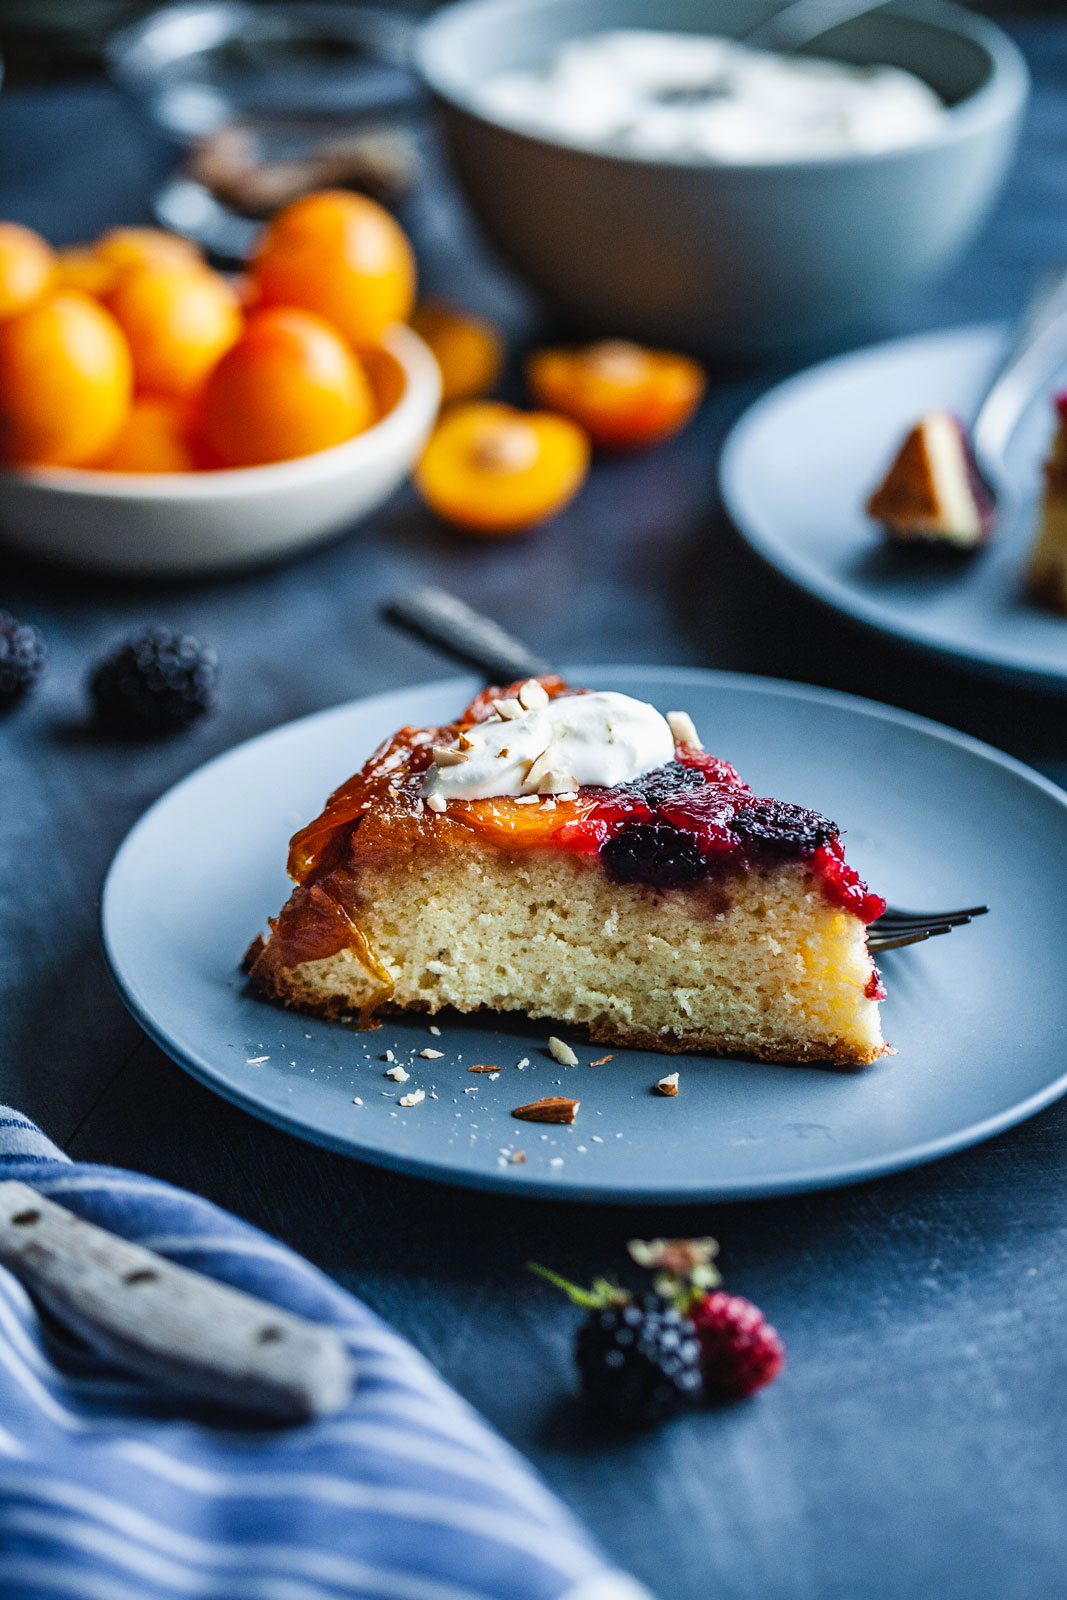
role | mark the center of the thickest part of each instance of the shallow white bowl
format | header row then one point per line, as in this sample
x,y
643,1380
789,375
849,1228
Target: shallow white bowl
x,y
185,523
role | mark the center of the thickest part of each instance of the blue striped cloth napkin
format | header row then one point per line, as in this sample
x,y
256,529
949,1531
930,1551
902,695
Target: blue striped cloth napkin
x,y
111,1491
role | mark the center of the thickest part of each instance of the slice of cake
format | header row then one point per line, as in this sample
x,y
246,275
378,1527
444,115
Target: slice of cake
x,y
933,493
578,856
1048,560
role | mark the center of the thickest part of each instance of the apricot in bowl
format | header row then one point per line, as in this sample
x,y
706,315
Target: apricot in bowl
x,y
159,523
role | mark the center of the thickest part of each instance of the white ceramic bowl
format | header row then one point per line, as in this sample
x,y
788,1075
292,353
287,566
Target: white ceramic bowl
x,y
770,257
185,523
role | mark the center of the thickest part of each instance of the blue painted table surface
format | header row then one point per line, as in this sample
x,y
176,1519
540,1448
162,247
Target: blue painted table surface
x,y
916,1444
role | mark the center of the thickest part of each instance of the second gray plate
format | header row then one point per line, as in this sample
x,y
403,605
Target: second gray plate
x,y
800,463
932,819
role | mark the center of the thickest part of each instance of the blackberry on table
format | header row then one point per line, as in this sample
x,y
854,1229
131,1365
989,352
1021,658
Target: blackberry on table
x,y
22,658
639,1361
784,829
656,853
154,685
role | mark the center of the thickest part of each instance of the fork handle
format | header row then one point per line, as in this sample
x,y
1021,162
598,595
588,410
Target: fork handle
x,y
443,620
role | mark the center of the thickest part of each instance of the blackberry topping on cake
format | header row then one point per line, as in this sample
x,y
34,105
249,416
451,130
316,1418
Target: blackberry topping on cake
x,y
933,493
782,828
654,852
576,855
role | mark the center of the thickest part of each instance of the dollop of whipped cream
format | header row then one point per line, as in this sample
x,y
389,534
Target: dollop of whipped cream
x,y
534,745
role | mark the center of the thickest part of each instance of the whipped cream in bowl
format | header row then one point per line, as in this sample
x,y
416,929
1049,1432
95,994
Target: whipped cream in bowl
x,y
536,746
692,97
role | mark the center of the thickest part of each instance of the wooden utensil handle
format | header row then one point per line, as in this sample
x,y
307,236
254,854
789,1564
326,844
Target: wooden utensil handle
x,y
167,1323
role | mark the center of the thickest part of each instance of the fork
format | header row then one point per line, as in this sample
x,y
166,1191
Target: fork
x,y
448,623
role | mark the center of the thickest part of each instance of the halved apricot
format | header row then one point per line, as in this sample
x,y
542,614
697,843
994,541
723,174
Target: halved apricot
x,y
66,380
288,387
494,470
342,256
27,267
469,350
154,438
624,395
179,320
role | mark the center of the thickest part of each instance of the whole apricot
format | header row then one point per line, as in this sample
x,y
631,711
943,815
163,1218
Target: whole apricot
x,y
469,350
144,247
288,387
341,255
79,267
66,380
624,395
27,267
494,470
178,321
152,439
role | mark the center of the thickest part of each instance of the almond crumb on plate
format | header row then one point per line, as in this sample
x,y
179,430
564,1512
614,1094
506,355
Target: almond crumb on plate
x,y
667,1085
517,1158
601,1061
414,1098
483,1067
397,1073
562,1052
553,1108
435,1030
431,1055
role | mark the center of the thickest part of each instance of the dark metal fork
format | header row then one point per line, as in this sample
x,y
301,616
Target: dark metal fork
x,y
896,928
451,625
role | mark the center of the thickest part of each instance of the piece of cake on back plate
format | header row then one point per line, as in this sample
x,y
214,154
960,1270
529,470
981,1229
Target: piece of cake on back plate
x,y
933,493
576,855
1047,578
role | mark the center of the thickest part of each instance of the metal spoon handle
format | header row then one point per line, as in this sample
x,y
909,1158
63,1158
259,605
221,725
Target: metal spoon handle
x,y
454,627
1035,352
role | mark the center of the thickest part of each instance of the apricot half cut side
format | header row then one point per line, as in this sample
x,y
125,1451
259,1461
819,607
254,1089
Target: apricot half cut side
x,y
624,395
494,470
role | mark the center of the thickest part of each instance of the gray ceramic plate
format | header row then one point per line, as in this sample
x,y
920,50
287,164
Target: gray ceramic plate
x,y
800,463
932,818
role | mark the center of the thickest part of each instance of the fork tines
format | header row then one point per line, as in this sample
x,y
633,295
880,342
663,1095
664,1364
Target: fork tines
x,y
896,928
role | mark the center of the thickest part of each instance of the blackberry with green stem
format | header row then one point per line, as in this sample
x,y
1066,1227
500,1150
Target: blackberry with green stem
x,y
639,1358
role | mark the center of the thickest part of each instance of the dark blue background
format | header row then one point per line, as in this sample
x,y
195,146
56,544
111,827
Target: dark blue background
x,y
916,1445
